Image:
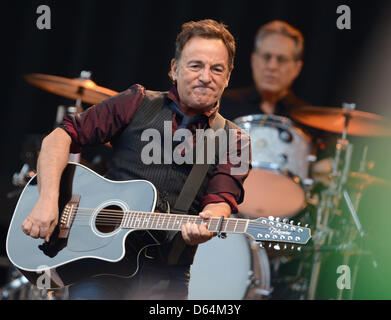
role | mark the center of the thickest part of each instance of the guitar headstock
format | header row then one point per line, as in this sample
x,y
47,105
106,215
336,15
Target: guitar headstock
x,y
274,230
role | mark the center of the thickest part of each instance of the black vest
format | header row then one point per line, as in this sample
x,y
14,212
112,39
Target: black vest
x,y
126,163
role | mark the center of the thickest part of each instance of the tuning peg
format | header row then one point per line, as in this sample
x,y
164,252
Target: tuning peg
x,y
285,220
307,225
292,247
291,222
270,244
271,218
261,245
278,219
299,249
299,224
277,247
285,246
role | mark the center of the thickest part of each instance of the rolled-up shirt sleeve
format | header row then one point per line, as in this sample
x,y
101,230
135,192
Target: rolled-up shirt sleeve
x,y
101,122
226,183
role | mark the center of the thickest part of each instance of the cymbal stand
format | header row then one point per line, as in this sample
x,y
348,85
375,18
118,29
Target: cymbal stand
x,y
75,157
358,227
329,203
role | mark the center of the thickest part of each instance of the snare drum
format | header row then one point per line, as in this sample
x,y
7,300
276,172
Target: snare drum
x,y
280,161
234,268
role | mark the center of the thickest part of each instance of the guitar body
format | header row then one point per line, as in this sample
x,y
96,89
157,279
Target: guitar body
x,y
88,249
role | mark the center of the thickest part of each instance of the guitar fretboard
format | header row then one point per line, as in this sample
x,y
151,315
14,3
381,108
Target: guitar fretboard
x,y
174,222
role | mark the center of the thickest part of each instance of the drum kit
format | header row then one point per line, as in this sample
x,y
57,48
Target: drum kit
x,y
279,185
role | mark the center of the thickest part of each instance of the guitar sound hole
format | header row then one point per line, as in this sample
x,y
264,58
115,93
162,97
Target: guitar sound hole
x,y
109,219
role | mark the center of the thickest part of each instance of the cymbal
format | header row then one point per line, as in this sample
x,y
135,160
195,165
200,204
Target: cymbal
x,y
333,120
84,89
357,179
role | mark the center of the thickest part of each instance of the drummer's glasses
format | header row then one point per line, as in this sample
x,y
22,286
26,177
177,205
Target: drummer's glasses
x,y
281,59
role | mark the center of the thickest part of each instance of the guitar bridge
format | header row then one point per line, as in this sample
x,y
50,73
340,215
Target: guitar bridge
x,y
68,215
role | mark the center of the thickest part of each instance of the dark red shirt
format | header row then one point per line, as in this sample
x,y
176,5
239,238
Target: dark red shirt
x,y
102,122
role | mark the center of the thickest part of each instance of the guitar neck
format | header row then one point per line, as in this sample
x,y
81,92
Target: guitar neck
x,y
174,222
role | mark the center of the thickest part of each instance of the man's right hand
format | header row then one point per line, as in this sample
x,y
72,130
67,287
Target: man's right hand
x,y
42,220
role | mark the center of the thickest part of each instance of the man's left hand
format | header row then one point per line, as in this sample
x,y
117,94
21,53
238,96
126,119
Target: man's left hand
x,y
194,234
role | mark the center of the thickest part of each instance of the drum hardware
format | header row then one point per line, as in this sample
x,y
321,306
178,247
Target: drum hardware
x,y
259,277
71,109
360,180
29,156
330,199
81,89
60,114
63,110
19,179
10,290
348,237
19,288
353,212
332,119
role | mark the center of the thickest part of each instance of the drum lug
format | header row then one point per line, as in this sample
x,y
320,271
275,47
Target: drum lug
x,y
256,291
282,159
285,136
252,280
308,182
262,292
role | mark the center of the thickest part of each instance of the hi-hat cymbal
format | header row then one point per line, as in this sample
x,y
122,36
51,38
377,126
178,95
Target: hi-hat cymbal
x,y
85,90
333,120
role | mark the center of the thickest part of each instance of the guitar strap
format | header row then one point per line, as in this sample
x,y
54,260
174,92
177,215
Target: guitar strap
x,y
190,190
197,174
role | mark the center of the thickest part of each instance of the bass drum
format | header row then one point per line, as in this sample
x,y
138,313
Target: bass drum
x,y
280,162
234,268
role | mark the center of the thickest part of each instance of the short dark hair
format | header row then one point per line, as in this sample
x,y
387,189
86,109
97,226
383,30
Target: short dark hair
x,y
282,28
209,29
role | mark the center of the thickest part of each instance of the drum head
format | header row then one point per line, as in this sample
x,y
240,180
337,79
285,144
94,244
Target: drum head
x,y
221,269
269,193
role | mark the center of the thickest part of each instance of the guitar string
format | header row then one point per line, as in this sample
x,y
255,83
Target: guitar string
x,y
80,211
160,225
139,225
116,220
115,213
156,215
155,221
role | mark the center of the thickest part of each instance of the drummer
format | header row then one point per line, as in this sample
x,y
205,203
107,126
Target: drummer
x,y
276,62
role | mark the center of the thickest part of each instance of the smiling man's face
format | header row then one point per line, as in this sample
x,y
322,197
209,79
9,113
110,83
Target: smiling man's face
x,y
201,74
